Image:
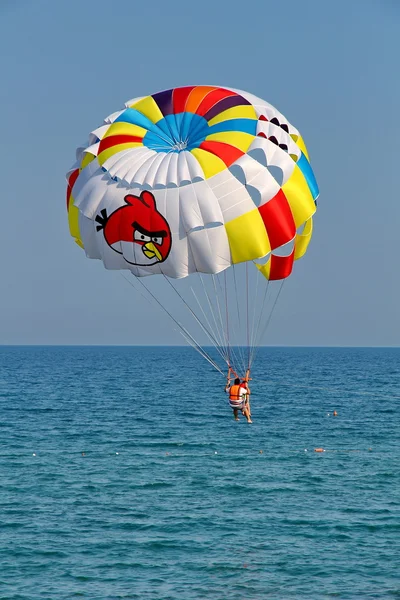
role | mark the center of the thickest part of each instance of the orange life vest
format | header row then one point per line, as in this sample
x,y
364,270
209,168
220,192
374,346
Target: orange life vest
x,y
234,392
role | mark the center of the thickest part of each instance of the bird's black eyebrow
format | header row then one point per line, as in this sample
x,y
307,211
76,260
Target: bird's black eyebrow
x,y
141,229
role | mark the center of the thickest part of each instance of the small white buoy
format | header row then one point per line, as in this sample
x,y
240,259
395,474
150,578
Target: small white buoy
x,y
117,453
305,450
33,454
215,452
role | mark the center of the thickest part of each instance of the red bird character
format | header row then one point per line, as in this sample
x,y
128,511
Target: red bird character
x,y
137,231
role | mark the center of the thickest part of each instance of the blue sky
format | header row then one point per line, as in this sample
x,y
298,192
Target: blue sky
x,y
331,68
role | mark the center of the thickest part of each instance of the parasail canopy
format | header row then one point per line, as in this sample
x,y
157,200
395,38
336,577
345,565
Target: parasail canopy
x,y
194,180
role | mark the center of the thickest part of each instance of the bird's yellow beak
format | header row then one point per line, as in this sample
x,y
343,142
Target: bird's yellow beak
x,y
151,251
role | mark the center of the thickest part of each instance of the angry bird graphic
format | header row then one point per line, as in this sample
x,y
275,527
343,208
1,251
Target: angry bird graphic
x,y
137,230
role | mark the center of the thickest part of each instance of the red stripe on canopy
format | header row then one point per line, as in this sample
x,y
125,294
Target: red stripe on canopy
x,y
180,95
278,220
227,153
281,266
71,182
116,140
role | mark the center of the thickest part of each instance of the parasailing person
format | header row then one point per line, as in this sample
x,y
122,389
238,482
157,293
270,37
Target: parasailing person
x,y
238,399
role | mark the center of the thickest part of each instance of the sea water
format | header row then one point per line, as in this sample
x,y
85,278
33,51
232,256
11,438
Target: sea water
x,y
124,475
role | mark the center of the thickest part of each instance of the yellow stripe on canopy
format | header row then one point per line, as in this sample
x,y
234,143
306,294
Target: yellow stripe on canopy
x,y
238,139
247,237
106,154
73,222
299,197
303,239
265,269
86,159
236,112
210,163
149,108
301,144
121,128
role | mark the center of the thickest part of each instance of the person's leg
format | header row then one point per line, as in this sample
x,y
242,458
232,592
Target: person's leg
x,y
235,414
246,413
248,405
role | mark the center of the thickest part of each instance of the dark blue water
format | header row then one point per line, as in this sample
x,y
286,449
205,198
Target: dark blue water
x,y
174,500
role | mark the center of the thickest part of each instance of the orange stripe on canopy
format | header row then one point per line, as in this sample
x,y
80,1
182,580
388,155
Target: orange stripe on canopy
x,y
211,99
196,96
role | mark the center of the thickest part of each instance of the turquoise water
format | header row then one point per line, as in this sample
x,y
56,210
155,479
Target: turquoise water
x,y
174,500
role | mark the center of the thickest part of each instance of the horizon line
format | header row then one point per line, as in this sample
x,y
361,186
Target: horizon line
x,y
88,345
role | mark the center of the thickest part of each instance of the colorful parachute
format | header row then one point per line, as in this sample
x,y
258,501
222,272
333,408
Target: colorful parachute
x,y
194,180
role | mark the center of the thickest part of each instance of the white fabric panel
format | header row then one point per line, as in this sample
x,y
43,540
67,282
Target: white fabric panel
x,y
266,185
270,129
137,174
210,249
183,168
126,160
139,272
199,206
90,188
195,170
92,149
87,229
172,173
259,177
210,209
236,204
162,173
168,204
111,118
100,131
224,184
275,156
233,198
190,213
249,166
152,172
112,260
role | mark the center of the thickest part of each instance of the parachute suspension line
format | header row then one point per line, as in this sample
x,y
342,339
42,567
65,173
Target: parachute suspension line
x,y
253,330
217,331
217,346
209,335
271,313
239,345
256,337
183,330
233,360
227,318
218,342
220,316
202,353
236,345
247,316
